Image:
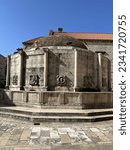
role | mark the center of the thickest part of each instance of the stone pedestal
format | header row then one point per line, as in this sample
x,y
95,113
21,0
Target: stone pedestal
x,y
54,100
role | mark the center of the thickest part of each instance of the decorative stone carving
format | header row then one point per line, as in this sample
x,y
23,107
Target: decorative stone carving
x,y
15,80
61,80
57,67
35,74
36,44
34,80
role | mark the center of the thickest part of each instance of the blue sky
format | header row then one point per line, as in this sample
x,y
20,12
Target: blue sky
x,y
21,20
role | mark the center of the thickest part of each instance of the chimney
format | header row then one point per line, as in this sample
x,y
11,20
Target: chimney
x,y
51,32
60,29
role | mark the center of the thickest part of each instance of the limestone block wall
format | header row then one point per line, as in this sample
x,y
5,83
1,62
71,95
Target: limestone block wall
x,y
87,70
106,46
60,68
34,68
105,72
77,100
15,71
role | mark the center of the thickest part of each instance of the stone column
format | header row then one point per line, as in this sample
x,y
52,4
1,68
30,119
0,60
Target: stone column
x,y
8,73
109,75
100,71
75,69
21,70
45,68
95,70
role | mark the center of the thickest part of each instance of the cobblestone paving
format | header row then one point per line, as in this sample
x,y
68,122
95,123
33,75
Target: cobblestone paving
x,y
20,135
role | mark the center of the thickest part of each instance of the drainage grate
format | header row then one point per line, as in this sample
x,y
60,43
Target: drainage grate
x,y
36,123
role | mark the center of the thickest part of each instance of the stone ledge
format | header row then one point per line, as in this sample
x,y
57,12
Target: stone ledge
x,y
57,99
51,115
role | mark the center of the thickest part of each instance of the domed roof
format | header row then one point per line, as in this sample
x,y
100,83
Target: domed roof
x,y
56,40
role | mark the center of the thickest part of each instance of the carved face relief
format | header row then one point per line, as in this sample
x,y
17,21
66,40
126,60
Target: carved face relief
x,y
34,80
61,80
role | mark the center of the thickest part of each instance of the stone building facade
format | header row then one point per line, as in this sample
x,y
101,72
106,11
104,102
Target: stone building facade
x,y
2,71
58,63
59,71
97,42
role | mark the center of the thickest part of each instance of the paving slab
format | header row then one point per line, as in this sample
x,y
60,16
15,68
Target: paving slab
x,y
102,136
92,135
22,135
25,134
65,139
4,139
54,137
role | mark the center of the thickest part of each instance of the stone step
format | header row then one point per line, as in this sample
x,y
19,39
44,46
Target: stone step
x,y
56,112
56,118
53,115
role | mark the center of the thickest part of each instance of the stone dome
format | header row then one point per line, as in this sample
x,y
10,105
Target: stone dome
x,y
56,40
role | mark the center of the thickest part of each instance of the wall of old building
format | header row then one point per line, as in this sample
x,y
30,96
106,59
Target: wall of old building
x,y
34,68
105,72
51,99
15,71
2,71
106,46
87,70
61,68
58,68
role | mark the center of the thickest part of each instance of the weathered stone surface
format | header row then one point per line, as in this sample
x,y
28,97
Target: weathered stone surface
x,y
58,68
75,100
63,130
25,134
35,72
92,135
73,135
99,134
83,136
65,139
4,139
35,133
54,135
45,136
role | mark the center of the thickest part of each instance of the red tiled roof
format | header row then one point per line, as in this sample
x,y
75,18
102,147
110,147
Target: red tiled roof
x,y
80,36
87,36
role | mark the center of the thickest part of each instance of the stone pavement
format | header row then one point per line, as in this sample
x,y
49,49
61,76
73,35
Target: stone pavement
x,y
20,135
